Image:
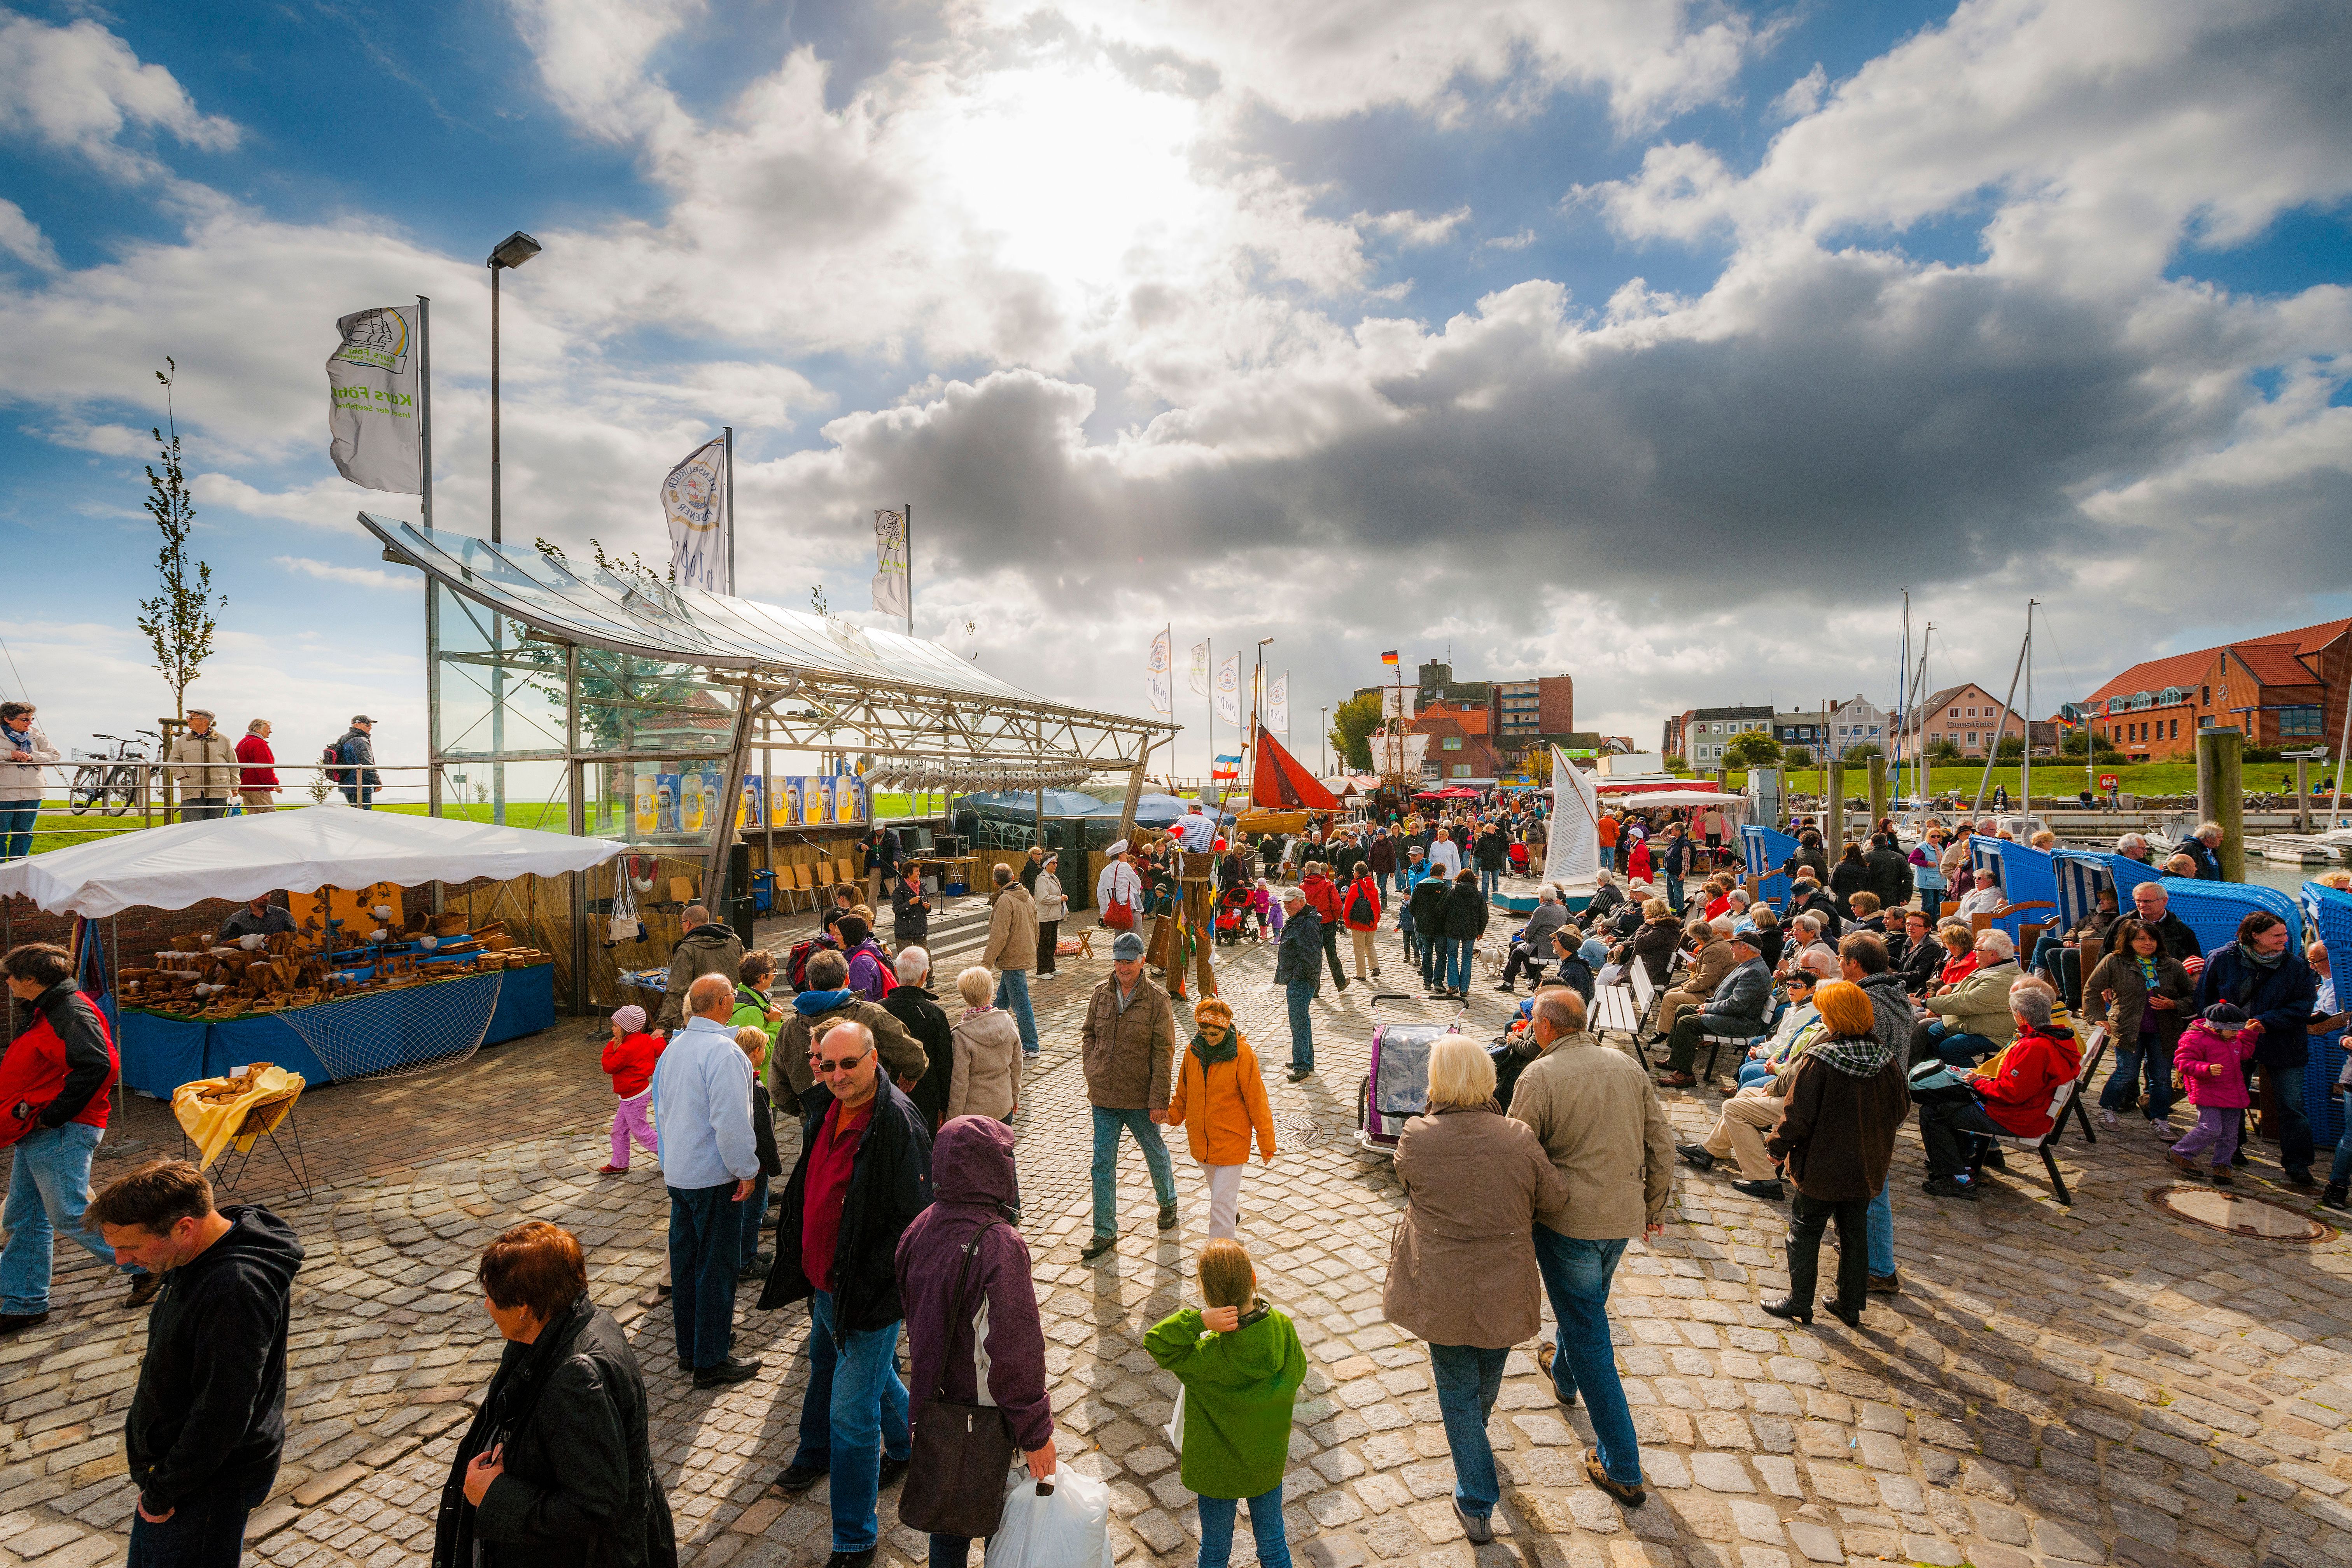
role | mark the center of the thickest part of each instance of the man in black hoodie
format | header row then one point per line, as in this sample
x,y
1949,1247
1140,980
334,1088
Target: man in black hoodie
x,y
207,1422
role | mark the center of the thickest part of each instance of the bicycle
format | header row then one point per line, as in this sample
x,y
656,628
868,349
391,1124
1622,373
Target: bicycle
x,y
103,781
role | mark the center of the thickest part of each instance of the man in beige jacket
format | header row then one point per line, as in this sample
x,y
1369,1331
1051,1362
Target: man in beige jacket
x,y
1012,950
1598,1116
204,767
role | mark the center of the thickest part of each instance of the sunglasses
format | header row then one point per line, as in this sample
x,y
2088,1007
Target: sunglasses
x,y
820,1067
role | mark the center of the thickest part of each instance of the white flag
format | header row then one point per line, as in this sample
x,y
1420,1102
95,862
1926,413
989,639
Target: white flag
x,y
891,562
1200,670
1278,704
694,499
1156,673
372,415
1393,702
1229,689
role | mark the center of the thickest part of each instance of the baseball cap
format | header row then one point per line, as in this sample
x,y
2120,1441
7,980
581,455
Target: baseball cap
x,y
361,719
1127,947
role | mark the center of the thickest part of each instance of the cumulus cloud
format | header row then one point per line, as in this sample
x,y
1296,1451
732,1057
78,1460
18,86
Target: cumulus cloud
x,y
78,89
355,576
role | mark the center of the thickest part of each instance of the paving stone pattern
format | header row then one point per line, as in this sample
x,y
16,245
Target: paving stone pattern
x,y
2054,1386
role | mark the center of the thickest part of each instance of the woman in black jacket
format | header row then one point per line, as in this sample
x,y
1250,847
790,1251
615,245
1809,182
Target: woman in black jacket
x,y
1917,960
1851,876
910,912
1464,916
556,1467
1655,942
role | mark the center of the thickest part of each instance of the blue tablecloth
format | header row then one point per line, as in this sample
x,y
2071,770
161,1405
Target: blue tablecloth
x,y
160,1053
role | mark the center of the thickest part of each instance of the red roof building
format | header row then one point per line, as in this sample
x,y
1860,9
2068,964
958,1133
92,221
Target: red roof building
x,y
2286,689
1460,742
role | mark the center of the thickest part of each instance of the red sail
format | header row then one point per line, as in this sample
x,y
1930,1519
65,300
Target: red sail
x,y
1279,782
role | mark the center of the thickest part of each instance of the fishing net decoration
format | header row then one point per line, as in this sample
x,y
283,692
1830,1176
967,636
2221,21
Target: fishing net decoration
x,y
396,1033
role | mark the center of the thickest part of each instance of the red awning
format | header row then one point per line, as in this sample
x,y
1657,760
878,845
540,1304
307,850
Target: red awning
x,y
1703,787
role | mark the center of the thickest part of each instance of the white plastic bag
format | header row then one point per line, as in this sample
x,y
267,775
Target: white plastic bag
x,y
1067,1527
1175,1427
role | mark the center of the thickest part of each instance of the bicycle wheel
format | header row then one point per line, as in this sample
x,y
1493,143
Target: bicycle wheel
x,y
121,786
85,790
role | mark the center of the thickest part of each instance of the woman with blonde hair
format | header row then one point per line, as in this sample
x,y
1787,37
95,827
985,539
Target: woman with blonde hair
x,y
1462,1264
1835,1140
986,1078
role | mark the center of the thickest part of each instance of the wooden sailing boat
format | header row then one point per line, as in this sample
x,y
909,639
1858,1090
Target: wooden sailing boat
x,y
1283,795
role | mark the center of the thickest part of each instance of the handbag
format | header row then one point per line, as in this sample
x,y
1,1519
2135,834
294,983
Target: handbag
x,y
961,1454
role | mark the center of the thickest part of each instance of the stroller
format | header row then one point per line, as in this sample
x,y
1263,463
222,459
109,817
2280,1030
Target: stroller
x,y
1232,904
1518,859
1396,1082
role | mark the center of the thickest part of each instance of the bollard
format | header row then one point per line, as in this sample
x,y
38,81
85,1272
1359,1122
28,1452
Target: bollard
x,y
1833,814
1877,790
2221,797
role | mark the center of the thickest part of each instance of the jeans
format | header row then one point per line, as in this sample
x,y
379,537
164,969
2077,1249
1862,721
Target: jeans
x,y
1012,996
1298,993
1266,1526
2341,1173
1469,1379
1404,928
48,1191
1106,1167
705,1229
1490,882
1882,1232
17,827
2133,1064
1808,1218
1433,961
2294,1127
1458,950
1609,857
205,1530
755,1213
1674,892
854,1412
1576,1275
360,796
1754,1072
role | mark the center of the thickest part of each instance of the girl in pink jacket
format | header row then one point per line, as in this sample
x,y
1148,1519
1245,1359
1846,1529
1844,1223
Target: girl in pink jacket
x,y
2211,1063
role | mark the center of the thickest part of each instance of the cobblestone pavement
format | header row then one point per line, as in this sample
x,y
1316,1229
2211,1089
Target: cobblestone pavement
x,y
2103,1384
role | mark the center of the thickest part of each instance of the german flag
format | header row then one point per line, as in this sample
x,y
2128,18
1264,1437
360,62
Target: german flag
x,y
1390,658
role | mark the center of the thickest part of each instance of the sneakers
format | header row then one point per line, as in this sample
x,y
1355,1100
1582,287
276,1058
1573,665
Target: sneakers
x,y
1168,1217
798,1478
1947,1187
144,1287
612,1170
1477,1526
757,1269
2109,1119
2336,1198
1096,1247
730,1371
1300,1075
1695,1156
1886,1284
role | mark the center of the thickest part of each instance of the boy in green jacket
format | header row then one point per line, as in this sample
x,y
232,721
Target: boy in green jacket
x,y
1241,1364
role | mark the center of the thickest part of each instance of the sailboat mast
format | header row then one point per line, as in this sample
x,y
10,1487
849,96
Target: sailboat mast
x,y
2025,758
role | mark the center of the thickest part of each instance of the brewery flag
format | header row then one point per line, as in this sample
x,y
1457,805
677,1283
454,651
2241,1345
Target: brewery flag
x,y
1278,704
1156,672
1229,689
694,500
1200,670
890,564
372,410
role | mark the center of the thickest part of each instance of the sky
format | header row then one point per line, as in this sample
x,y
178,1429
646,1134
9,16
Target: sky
x,y
1663,343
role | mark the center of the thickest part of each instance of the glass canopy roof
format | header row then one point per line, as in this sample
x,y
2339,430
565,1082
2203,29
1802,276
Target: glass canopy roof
x,y
595,608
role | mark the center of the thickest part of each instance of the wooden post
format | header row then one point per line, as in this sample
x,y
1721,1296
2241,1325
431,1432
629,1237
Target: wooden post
x,y
2221,796
1134,789
2303,794
1833,813
1877,790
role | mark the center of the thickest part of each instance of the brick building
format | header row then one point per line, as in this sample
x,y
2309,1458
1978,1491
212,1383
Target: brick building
x,y
2286,689
1461,743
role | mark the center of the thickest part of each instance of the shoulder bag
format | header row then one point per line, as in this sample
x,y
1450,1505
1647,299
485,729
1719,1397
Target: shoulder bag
x,y
955,1473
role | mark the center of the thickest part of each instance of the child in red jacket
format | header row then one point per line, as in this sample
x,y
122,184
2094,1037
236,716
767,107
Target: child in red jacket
x,y
630,1057
2211,1063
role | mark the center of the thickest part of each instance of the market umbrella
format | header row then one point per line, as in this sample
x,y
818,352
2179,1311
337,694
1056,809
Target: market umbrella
x,y
241,858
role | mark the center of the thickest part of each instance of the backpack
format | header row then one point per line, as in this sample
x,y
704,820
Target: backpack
x,y
797,963
1359,908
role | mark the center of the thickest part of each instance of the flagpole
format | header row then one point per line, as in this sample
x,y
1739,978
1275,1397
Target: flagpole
x,y
425,407
906,529
1211,644
729,431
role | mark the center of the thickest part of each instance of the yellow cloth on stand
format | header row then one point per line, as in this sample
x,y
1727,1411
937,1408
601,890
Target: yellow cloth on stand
x,y
218,1112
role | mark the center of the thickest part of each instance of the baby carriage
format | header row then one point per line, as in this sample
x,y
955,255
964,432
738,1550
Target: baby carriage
x,y
1231,905
1518,859
1396,1082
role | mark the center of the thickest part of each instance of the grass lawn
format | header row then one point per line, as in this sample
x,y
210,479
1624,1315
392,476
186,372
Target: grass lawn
x,y
2050,778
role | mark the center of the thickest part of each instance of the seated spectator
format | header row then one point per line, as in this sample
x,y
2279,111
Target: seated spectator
x,y
1737,1008
2010,1098
1770,940
1918,957
1985,898
1867,915
1971,1020
1960,946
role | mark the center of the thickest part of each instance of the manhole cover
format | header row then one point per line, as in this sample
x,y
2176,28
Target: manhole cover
x,y
2239,1215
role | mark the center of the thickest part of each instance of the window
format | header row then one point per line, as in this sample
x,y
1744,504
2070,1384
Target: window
x,y
1955,712
1972,737
2208,696
2204,720
2299,720
1450,744
2176,729
2225,661
1462,770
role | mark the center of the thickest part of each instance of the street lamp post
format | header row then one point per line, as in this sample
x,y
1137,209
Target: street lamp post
x,y
1323,727
512,251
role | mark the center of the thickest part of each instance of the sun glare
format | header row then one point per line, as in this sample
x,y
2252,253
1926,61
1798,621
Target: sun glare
x,y
1074,170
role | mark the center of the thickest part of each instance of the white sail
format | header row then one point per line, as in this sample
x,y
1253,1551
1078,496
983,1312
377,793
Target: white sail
x,y
1572,836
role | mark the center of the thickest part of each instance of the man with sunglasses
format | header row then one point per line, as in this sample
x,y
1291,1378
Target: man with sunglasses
x,y
864,1173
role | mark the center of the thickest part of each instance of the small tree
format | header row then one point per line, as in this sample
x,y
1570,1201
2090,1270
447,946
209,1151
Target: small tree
x,y
1797,756
2011,747
1352,724
1945,750
178,621
1865,752
1537,766
1753,749
1676,762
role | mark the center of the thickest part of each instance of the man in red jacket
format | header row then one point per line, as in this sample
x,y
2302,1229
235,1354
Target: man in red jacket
x,y
54,1079
1323,897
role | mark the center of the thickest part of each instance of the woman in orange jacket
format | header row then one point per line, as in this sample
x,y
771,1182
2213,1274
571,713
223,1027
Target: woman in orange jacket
x,y
1219,1099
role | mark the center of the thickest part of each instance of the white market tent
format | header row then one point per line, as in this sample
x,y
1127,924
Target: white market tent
x,y
242,858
